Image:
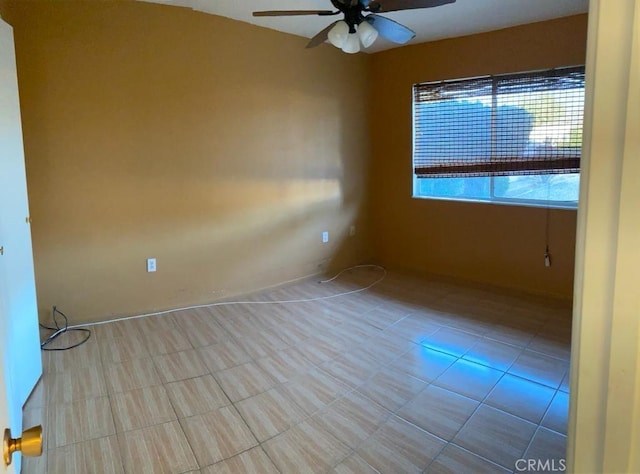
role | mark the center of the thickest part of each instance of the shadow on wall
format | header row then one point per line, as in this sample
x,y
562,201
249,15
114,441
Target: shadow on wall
x,y
146,135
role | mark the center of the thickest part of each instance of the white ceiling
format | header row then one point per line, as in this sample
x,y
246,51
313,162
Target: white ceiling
x,y
458,19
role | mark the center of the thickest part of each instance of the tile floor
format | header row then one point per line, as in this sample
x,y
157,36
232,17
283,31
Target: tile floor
x,y
412,375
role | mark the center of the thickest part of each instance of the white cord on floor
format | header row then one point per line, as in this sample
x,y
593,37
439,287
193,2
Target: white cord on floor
x,y
227,303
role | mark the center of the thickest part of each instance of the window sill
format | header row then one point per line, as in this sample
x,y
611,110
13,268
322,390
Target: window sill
x,y
570,206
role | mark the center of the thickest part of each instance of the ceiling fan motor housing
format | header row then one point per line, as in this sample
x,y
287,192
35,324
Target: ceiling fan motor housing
x,y
353,11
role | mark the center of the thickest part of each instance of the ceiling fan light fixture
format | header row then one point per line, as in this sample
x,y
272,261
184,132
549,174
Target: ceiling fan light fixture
x,y
352,44
367,33
338,34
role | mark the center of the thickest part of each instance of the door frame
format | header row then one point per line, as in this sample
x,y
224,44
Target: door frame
x,y
604,416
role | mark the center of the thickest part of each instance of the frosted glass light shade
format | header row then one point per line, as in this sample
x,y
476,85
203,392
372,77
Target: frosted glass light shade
x,y
367,33
352,44
338,34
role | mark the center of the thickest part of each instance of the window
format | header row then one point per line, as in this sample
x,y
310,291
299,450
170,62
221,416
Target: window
x,y
510,138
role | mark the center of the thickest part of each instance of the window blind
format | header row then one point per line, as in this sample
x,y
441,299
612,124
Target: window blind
x,y
515,124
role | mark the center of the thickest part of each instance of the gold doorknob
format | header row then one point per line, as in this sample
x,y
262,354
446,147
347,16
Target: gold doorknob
x,y
30,444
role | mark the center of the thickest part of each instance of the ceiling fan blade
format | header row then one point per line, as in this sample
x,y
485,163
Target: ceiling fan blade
x,y
321,37
394,5
391,30
295,13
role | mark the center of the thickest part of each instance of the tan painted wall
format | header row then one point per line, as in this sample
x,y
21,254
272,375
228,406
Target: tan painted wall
x,y
221,149
495,244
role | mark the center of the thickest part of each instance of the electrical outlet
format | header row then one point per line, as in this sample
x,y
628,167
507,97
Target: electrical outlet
x,y
352,230
325,237
151,265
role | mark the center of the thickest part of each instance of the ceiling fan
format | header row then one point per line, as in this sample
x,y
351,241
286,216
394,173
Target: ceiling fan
x,y
358,28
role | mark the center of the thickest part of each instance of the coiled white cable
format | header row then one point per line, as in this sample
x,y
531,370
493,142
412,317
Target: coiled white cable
x,y
228,303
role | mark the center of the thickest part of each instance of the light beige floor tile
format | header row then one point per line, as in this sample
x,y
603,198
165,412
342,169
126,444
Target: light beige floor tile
x,y
314,390
356,332
331,312
351,368
163,323
253,461
36,465
269,413
391,388
345,310
521,397
222,313
455,460
327,337
293,334
119,349
241,325
493,354
131,374
451,341
558,413
119,329
396,344
301,318
285,342
352,418
383,317
165,342
86,355
495,435
285,365
261,344
354,464
98,456
218,435
548,445
180,366
540,368
158,449
479,323
244,381
469,379
200,328
318,351
426,308
76,384
224,355
413,329
399,446
423,363
550,346
439,411
557,329
79,421
511,334
38,396
409,301
384,348
141,408
196,396
305,448
564,386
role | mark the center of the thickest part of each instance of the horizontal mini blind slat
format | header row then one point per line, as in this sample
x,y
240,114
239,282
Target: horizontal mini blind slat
x,y
515,124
